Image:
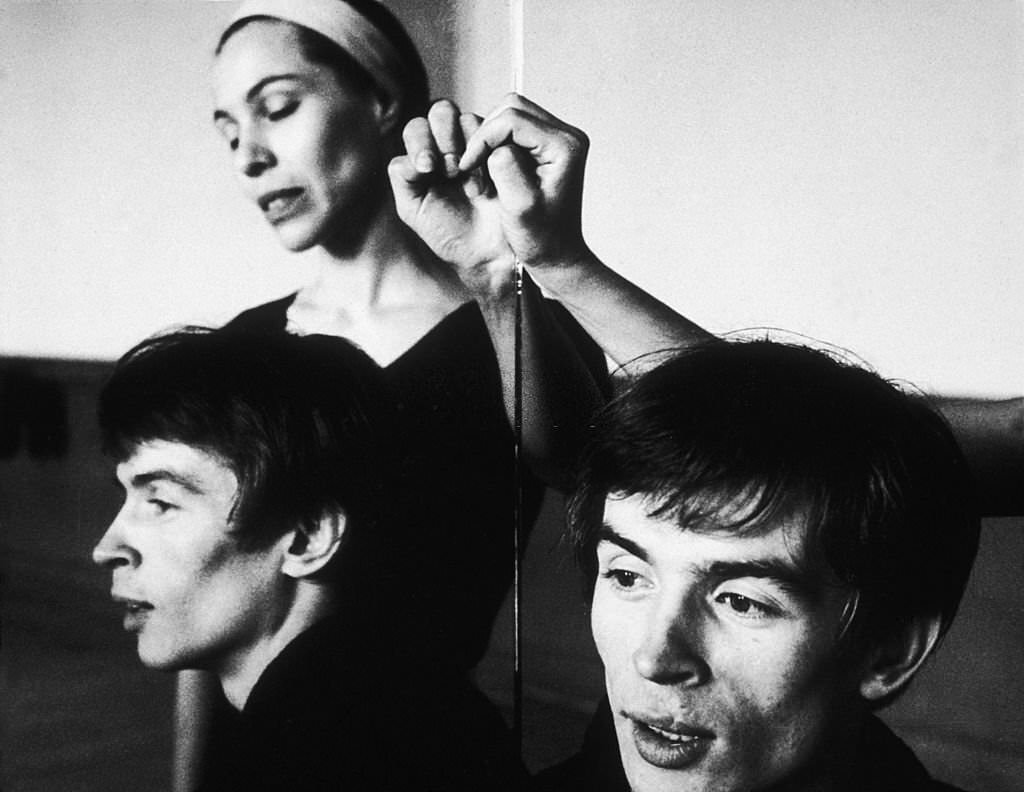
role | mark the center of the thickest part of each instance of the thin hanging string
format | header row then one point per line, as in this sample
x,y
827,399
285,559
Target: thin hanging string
x,y
515,10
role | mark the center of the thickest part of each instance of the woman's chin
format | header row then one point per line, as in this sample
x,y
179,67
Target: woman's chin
x,y
296,240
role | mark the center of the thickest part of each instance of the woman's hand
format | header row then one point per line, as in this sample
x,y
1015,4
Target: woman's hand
x,y
454,211
485,192
535,163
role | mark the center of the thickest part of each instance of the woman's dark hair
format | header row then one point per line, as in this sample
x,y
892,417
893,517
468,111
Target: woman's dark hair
x,y
787,431
317,48
302,422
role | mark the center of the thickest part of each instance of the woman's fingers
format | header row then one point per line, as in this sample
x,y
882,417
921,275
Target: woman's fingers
x,y
478,181
469,123
420,147
446,128
514,177
546,140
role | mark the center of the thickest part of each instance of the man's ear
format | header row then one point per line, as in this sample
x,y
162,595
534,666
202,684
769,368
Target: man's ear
x,y
893,664
314,545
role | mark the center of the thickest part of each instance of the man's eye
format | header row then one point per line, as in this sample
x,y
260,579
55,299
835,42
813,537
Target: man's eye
x,y
160,506
623,579
744,606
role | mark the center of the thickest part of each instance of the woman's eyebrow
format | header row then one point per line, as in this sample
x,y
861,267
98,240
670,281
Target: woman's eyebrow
x,y
250,95
609,534
253,92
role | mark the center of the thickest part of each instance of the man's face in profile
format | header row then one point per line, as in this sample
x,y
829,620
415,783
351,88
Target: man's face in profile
x,y
193,596
720,651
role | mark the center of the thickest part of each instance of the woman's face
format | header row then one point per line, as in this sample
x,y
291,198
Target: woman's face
x,y
307,147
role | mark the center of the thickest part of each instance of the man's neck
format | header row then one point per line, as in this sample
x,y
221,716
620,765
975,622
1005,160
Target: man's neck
x,y
240,673
835,766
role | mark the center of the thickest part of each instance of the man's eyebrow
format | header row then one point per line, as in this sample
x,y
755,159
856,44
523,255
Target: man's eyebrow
x,y
790,576
183,480
253,92
609,534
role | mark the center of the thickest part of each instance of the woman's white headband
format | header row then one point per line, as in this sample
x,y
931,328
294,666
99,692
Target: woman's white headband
x,y
343,25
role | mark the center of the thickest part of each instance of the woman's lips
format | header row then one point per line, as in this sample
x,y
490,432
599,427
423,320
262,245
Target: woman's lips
x,y
278,205
670,747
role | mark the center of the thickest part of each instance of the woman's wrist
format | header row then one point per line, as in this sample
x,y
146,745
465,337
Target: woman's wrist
x,y
562,277
492,282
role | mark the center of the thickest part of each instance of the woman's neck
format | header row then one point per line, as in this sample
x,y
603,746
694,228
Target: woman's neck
x,y
386,267
383,295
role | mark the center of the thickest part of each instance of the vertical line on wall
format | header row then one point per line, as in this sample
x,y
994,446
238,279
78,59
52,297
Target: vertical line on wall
x,y
516,15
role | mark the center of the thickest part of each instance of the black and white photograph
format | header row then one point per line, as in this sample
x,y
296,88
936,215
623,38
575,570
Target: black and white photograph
x,y
499,395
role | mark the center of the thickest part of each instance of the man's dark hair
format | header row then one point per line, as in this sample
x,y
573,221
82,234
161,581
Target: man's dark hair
x,y
300,421
789,431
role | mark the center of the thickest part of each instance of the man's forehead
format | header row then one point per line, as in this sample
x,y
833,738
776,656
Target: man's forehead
x,y
170,459
784,539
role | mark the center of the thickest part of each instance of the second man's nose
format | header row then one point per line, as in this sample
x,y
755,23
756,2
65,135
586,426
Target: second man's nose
x,y
671,653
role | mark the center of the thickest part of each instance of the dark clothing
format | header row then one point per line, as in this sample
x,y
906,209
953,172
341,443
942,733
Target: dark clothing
x,y
335,711
883,763
440,577
595,768
426,587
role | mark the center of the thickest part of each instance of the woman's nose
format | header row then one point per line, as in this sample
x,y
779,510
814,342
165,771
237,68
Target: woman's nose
x,y
252,156
113,549
671,653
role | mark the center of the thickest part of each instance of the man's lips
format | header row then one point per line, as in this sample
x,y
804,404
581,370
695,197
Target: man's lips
x,y
278,204
135,611
130,603
668,744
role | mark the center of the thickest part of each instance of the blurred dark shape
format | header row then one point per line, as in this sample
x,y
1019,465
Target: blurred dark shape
x,y
33,414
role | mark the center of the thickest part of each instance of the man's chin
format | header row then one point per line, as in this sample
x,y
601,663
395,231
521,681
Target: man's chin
x,y
646,777
159,660
656,765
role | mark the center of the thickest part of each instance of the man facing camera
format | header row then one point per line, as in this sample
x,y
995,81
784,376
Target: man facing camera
x,y
776,542
253,542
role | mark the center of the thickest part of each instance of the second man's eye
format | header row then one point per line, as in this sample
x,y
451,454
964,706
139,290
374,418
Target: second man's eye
x,y
623,579
744,606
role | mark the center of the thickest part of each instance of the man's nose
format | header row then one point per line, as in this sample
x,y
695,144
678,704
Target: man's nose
x,y
671,652
113,549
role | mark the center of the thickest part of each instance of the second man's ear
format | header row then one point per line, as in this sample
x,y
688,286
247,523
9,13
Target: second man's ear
x,y
892,665
314,545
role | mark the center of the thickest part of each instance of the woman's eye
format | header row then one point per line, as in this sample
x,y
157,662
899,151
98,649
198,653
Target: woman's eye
x,y
745,606
275,111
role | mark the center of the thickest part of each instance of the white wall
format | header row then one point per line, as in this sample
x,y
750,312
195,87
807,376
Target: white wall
x,y
119,213
849,170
